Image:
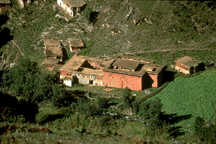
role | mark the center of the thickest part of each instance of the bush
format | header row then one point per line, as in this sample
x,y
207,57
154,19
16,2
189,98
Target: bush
x,y
25,79
151,112
61,98
198,126
86,13
102,102
127,98
43,118
209,134
135,107
84,106
206,133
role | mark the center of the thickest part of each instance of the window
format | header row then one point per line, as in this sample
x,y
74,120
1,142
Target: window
x,y
92,76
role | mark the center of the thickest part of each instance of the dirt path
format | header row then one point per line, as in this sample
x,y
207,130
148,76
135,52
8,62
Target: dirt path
x,y
168,50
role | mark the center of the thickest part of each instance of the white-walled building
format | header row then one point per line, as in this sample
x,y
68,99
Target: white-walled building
x,y
73,7
23,3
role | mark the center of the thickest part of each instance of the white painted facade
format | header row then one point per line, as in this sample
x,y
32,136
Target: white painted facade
x,y
65,7
67,82
179,69
21,3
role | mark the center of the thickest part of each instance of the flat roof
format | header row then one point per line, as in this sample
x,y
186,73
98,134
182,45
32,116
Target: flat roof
x,y
76,43
75,3
92,59
53,51
5,1
74,63
51,62
89,71
142,66
127,64
143,60
49,42
188,61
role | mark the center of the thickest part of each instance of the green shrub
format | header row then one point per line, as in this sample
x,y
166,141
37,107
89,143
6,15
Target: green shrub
x,y
41,117
102,102
151,111
67,111
86,12
11,115
127,98
135,107
84,106
61,98
204,132
198,126
209,134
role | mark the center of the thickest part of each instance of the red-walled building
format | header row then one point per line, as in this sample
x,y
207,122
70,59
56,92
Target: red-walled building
x,y
120,72
83,69
133,73
188,65
4,4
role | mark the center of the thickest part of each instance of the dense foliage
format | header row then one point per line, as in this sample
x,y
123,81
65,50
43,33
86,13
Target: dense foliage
x,y
14,110
127,98
205,131
151,112
25,79
193,95
102,102
85,106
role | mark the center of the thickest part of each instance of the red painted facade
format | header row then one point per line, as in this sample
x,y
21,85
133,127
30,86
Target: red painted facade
x,y
182,66
154,80
63,73
122,81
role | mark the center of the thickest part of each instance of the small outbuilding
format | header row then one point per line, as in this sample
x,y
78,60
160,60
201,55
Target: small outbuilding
x,y
188,65
24,3
4,4
76,45
53,49
50,64
72,7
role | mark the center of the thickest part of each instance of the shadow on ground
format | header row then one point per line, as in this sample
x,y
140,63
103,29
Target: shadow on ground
x,y
11,107
168,76
171,119
5,32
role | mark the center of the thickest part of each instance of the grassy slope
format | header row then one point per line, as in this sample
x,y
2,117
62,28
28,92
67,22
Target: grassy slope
x,y
175,25
193,95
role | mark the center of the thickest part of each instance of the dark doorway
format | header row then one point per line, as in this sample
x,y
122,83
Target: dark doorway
x,y
91,82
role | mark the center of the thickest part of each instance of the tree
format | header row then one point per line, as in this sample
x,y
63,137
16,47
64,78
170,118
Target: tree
x,y
151,111
25,79
84,106
127,98
102,102
198,126
20,79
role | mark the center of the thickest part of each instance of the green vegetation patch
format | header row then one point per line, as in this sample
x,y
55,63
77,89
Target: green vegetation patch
x,y
195,96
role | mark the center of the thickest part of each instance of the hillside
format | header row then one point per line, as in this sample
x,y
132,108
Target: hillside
x,y
190,96
160,30
119,27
